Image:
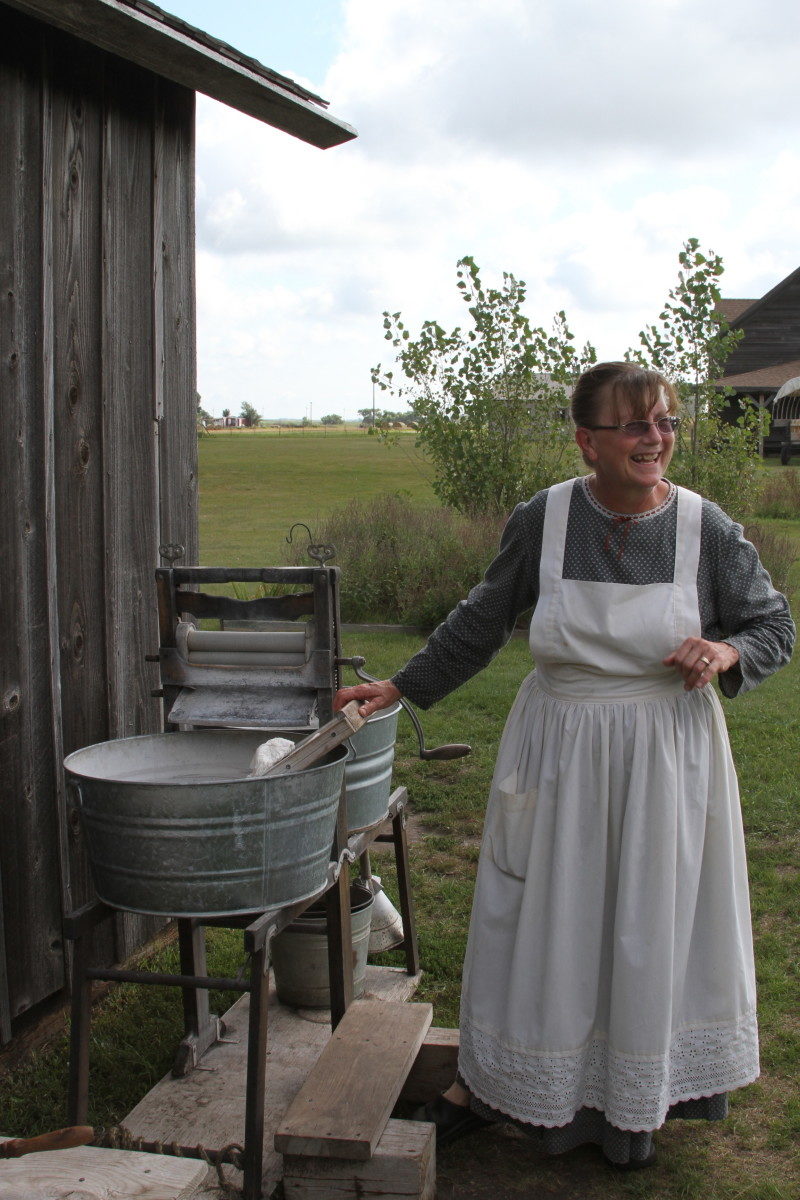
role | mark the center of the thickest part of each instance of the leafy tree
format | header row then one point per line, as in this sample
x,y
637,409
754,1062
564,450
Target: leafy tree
x,y
332,419
382,419
203,419
226,412
251,415
489,400
691,343
374,419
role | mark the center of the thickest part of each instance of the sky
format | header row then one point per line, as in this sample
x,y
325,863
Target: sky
x,y
574,144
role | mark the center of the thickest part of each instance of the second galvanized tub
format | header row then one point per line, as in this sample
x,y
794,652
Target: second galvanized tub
x,y
368,773
174,827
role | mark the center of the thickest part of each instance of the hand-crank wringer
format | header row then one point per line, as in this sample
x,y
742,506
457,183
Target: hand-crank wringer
x,y
175,827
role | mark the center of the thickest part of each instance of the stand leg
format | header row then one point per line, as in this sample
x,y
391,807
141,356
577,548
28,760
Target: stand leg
x,y
339,923
340,946
256,1075
201,1027
80,1007
406,896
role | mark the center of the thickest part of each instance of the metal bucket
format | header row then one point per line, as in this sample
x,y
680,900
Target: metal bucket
x,y
368,773
299,953
174,828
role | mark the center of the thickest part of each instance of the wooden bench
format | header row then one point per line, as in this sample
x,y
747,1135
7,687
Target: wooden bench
x,y
337,1137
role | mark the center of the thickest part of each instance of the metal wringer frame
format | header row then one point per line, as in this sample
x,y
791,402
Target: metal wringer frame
x,y
187,833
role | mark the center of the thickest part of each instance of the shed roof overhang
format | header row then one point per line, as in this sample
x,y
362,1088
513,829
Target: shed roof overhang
x,y
146,35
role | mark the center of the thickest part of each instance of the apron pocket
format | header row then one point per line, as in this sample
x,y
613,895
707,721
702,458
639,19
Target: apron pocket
x,y
510,826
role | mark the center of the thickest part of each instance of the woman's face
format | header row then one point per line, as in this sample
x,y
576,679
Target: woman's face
x,y
623,462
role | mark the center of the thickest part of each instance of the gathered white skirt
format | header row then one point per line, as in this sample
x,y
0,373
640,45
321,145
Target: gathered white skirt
x,y
609,961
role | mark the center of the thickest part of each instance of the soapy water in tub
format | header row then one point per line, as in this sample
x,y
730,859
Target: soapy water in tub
x,y
265,756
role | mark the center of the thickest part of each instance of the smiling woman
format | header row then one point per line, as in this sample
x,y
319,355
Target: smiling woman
x,y
625,427
609,981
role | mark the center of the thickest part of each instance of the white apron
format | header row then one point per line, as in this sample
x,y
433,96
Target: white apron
x,y
609,961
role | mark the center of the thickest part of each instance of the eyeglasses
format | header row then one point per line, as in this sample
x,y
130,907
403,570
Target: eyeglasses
x,y
640,428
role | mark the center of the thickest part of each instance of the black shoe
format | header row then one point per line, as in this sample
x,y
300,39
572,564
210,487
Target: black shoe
x,y
633,1164
451,1120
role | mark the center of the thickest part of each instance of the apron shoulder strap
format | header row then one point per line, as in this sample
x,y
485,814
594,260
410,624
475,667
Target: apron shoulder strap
x,y
687,561
554,535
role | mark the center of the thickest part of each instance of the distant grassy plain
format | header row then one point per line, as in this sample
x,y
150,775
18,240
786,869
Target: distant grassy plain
x,y
255,483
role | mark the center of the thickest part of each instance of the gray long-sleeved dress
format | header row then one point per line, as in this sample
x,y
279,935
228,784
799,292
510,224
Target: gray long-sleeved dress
x,y
738,603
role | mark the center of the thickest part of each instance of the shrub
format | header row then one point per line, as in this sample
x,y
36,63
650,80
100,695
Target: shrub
x,y
776,552
404,564
724,466
780,494
489,399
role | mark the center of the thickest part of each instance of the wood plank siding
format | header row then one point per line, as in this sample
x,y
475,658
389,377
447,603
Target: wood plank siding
x,y
772,329
97,447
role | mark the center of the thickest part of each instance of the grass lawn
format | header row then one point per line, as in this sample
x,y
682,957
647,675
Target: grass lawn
x,y
253,486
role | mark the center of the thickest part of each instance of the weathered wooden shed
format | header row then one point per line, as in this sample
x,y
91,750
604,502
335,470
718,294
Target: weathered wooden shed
x,y
98,407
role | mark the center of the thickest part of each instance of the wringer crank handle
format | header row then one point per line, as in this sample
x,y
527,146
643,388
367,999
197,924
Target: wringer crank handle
x,y
451,750
58,1139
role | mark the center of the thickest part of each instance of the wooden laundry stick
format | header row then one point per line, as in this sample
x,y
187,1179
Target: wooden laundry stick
x,y
317,744
57,1139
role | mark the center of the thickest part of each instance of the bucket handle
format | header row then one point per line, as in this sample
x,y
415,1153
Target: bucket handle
x,y
74,794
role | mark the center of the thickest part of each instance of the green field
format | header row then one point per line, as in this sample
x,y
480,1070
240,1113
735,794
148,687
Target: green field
x,y
254,484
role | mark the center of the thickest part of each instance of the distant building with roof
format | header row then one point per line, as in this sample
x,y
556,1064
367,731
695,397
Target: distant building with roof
x,y
766,363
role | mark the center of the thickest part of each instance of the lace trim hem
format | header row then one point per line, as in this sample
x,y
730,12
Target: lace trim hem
x,y
634,1092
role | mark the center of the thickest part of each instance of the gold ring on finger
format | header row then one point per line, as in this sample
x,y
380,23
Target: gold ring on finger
x,y
707,661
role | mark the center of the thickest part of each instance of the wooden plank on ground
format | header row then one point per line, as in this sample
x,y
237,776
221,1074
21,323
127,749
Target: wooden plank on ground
x,y
342,1109
90,1173
435,1066
403,1166
208,1105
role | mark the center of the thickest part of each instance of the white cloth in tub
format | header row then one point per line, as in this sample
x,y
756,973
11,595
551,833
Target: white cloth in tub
x,y
267,755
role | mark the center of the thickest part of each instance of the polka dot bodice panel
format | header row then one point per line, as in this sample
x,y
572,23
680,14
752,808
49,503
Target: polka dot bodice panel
x,y
736,598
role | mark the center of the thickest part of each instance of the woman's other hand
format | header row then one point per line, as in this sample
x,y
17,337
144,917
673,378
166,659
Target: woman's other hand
x,y
375,696
699,661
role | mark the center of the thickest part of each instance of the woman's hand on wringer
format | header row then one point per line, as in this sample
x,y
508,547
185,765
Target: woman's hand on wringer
x,y
372,697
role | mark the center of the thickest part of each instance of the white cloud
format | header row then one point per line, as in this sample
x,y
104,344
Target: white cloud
x,y
568,76
575,145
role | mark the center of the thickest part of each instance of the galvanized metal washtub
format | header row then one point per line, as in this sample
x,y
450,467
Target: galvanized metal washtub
x,y
299,953
368,773
174,827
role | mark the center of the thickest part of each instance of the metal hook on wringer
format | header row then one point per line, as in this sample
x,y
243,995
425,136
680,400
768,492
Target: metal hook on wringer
x,y
319,551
